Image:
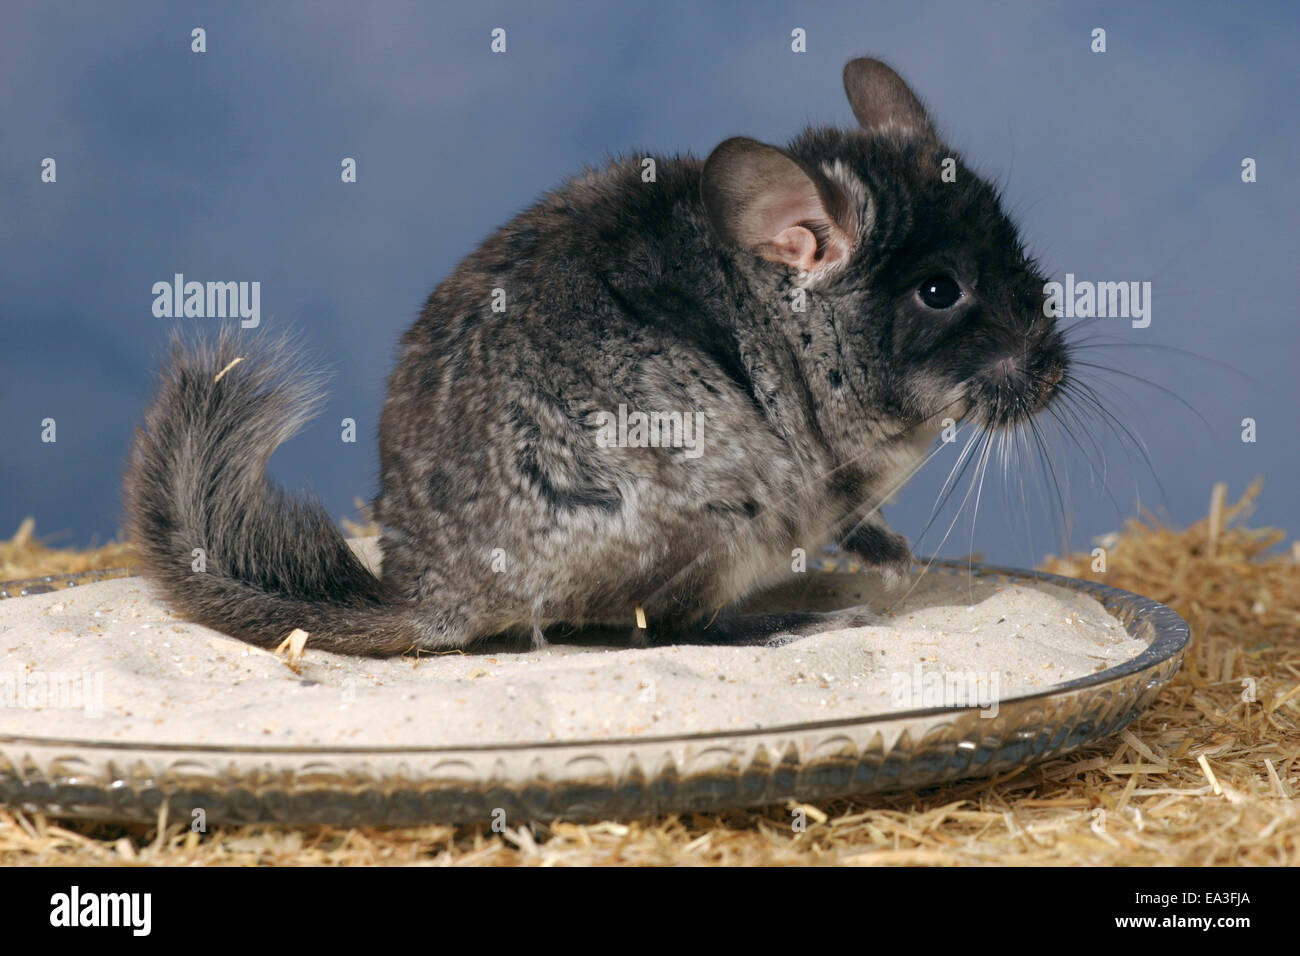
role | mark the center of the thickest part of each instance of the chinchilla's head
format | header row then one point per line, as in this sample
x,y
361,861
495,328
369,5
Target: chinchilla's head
x,y
931,305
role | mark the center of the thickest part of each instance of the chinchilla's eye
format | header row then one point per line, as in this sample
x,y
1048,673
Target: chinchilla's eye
x,y
939,292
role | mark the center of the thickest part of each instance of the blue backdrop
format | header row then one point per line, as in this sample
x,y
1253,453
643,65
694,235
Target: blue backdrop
x,y
1123,165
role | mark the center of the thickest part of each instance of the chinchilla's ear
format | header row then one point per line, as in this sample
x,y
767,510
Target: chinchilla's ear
x,y
882,101
767,201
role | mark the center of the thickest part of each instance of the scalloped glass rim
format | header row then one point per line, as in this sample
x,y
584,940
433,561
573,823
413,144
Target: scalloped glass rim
x,y
578,779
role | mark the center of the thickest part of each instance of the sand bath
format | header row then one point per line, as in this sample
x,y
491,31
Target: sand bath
x,y
110,661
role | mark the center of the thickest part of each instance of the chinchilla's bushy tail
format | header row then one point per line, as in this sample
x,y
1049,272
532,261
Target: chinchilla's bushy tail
x,y
197,480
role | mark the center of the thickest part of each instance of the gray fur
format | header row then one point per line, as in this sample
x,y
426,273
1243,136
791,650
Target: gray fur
x,y
624,292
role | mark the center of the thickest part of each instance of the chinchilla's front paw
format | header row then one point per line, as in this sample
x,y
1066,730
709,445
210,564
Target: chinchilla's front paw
x,y
881,548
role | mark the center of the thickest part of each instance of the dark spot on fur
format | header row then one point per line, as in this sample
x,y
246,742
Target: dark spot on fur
x,y
441,495
571,499
567,499
747,508
848,483
876,544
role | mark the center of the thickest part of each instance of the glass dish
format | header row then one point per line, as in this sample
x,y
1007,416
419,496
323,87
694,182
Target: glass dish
x,y
586,779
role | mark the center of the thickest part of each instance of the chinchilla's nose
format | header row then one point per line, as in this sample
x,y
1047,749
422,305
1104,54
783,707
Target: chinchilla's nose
x,y
1048,377
1005,370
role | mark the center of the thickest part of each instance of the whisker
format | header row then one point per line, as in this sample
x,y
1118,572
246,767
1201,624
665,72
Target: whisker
x,y
958,470
960,508
1086,393
970,552
1146,381
1158,346
785,499
885,497
1079,425
1047,458
1024,499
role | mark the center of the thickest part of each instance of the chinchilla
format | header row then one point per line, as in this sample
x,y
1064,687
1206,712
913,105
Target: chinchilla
x,y
629,406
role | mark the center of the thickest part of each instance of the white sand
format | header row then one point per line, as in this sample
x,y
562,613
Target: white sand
x,y
151,677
